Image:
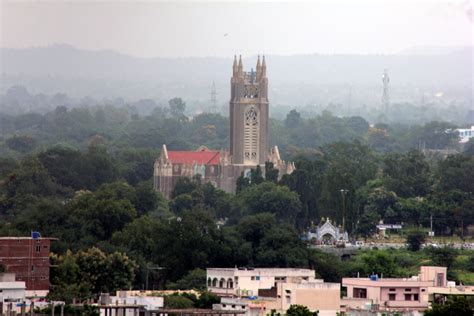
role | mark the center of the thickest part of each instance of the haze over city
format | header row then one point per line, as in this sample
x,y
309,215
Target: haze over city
x,y
240,158
222,29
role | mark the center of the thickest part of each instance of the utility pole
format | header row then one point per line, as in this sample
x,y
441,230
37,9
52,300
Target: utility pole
x,y
431,224
343,193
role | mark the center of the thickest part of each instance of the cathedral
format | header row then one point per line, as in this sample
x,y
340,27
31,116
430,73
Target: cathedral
x,y
248,114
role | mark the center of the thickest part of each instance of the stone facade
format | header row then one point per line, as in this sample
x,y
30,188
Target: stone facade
x,y
248,113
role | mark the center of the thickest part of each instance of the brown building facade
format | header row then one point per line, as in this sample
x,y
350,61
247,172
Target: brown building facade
x,y
248,114
28,258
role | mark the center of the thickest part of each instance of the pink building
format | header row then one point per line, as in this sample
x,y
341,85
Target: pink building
x,y
393,294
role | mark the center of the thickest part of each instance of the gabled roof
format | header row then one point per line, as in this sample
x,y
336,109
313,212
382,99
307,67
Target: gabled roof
x,y
201,157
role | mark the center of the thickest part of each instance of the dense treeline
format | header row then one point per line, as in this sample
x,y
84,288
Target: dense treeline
x,y
123,127
85,176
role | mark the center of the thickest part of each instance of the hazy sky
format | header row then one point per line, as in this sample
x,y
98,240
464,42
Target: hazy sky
x,y
203,28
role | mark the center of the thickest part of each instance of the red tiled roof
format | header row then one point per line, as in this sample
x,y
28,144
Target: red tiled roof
x,y
190,157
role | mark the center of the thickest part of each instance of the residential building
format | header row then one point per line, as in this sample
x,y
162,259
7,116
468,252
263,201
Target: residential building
x,y
465,134
258,291
12,293
130,303
28,259
248,115
317,295
248,281
393,294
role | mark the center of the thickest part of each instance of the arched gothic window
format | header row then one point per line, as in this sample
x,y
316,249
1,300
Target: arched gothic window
x,y
251,134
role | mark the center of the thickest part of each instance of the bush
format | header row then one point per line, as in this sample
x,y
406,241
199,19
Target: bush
x,y
415,239
177,301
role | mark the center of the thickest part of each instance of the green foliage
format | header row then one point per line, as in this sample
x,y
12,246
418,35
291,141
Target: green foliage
x,y
293,119
21,143
88,181
300,310
206,300
456,173
271,173
455,306
178,302
195,279
177,107
88,273
443,257
469,148
271,198
85,310
407,174
415,239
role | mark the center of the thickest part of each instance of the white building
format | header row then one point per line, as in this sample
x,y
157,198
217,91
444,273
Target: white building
x,y
11,292
465,134
126,303
248,281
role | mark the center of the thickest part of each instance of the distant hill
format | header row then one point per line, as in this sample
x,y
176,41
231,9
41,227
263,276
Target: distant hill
x,y
293,79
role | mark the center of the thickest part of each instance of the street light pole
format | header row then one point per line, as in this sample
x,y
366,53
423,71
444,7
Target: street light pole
x,y
343,193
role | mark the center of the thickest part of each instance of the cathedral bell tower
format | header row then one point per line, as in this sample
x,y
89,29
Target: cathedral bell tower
x,y
248,113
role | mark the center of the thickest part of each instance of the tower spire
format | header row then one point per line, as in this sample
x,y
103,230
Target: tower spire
x,y
264,67
258,68
241,67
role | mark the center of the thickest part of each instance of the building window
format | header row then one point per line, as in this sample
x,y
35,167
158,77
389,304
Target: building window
x,y
251,134
407,290
359,293
391,290
407,297
391,296
423,290
221,283
252,278
415,297
32,268
257,278
38,248
440,279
